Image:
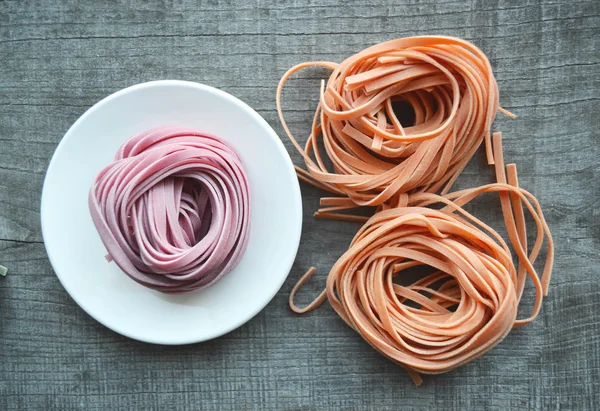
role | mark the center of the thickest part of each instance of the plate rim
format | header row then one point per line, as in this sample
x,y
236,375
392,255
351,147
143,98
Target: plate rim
x,y
296,197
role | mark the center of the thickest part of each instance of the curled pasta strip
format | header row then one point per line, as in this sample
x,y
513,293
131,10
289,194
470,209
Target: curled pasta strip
x,y
467,304
173,209
450,86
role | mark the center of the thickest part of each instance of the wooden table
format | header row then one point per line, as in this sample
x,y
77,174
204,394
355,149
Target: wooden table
x,y
59,58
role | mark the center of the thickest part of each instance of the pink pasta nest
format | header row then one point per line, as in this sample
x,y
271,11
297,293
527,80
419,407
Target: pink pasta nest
x,y
173,209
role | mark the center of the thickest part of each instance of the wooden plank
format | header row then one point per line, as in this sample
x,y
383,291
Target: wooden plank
x,y
60,58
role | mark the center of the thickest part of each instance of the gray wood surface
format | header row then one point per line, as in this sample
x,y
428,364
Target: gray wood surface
x,y
59,58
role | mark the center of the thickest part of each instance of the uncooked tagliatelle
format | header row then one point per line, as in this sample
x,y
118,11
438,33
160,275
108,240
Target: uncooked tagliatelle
x,y
450,86
173,209
467,304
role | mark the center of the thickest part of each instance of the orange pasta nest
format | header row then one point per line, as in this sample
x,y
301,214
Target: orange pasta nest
x,y
468,304
454,96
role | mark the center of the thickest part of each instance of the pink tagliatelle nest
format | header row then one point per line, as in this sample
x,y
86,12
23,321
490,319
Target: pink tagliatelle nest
x,y
173,209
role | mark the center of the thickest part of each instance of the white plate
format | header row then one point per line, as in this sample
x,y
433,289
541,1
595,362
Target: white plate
x,y
77,253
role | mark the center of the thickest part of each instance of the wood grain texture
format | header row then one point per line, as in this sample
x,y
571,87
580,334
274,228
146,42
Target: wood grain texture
x,y
59,58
